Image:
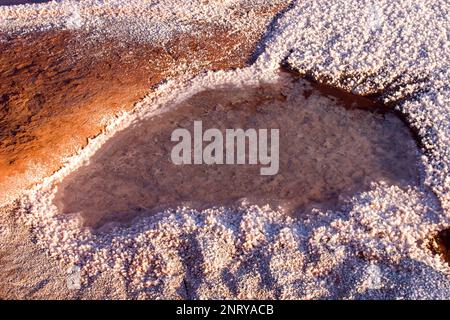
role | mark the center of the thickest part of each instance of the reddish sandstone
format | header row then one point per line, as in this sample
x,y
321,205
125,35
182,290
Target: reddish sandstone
x,y
58,87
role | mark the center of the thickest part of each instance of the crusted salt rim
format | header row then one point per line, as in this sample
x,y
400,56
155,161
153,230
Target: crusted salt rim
x,y
400,52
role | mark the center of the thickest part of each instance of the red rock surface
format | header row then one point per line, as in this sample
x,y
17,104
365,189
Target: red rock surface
x,y
57,89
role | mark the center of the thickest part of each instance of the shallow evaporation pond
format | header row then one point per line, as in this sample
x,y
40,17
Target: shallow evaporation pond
x,y
331,145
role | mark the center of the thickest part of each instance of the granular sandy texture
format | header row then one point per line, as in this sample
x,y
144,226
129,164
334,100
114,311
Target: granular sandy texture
x,y
62,79
375,246
29,273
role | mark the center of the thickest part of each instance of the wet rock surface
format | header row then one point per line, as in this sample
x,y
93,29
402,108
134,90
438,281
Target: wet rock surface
x,y
57,88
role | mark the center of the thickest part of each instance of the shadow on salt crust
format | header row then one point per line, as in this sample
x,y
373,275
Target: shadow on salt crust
x,y
332,145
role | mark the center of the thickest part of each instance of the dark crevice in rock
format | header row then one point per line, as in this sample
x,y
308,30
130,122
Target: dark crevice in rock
x,y
440,244
375,99
269,34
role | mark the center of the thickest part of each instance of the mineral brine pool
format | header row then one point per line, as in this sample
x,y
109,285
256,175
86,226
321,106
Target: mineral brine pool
x,y
332,145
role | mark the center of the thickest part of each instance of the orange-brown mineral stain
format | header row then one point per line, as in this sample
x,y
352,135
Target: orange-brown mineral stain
x,y
57,88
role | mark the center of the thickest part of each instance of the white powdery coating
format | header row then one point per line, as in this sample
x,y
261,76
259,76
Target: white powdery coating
x,y
396,50
137,20
256,252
